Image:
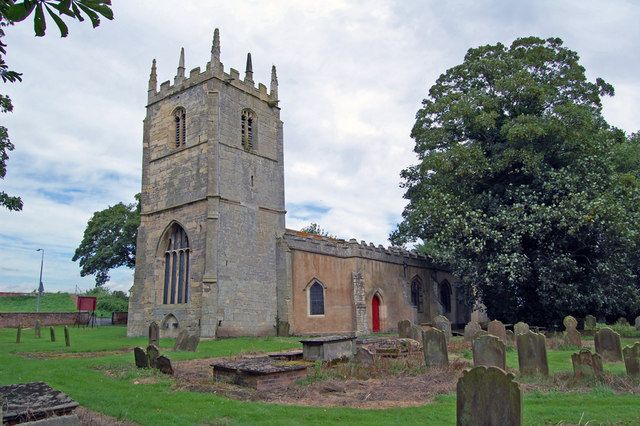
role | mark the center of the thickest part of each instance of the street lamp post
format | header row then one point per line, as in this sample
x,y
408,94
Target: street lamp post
x,y
41,286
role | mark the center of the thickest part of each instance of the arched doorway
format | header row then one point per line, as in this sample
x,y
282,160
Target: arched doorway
x,y
375,313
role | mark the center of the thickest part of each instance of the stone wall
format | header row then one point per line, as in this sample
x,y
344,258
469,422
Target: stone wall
x,y
28,319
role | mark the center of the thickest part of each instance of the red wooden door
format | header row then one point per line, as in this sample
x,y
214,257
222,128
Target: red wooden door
x,y
375,313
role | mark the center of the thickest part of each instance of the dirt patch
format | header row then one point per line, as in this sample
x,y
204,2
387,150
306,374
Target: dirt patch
x,y
91,418
59,355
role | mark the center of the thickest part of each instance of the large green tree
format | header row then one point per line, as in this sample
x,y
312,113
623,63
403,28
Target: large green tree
x,y
109,241
522,187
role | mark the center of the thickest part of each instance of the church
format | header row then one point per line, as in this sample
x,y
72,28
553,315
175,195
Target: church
x,y
214,255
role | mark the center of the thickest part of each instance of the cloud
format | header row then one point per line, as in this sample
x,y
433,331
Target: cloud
x,y
352,75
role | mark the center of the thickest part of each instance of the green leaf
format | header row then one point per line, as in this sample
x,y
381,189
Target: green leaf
x,y
95,19
64,30
39,24
76,12
18,12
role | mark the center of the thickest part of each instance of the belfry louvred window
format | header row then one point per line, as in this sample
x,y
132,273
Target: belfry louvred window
x,y
176,267
247,128
180,118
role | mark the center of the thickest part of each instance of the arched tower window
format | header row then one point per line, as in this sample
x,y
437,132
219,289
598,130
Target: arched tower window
x,y
180,118
247,128
417,298
176,267
445,296
316,299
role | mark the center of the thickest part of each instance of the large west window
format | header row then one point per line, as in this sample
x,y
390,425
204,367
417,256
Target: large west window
x,y
176,267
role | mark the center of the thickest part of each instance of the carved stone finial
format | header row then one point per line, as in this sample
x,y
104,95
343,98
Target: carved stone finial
x,y
274,83
180,74
215,50
248,73
153,78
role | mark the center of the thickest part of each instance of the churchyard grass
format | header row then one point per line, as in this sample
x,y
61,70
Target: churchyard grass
x,y
49,302
98,372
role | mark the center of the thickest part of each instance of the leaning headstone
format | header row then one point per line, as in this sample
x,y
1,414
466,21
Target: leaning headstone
x,y
590,323
38,329
471,331
586,364
19,334
520,328
638,322
415,332
443,324
181,341
622,321
496,328
488,396
141,357
632,359
52,332
192,343
489,351
572,335
164,365
608,344
403,328
152,354
532,354
67,339
154,334
434,347
364,357
511,337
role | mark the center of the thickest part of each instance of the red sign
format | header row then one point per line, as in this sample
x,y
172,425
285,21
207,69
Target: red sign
x,y
86,303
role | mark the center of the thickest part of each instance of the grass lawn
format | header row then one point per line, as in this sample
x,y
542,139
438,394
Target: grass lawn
x,y
83,378
49,302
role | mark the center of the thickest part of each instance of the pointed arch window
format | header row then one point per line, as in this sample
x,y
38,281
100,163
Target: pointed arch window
x,y
316,298
417,298
247,129
176,267
445,296
180,118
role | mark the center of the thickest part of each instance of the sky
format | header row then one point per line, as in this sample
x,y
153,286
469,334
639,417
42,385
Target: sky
x,y
352,75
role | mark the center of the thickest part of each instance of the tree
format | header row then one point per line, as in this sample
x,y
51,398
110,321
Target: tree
x,y
109,241
518,189
12,12
315,229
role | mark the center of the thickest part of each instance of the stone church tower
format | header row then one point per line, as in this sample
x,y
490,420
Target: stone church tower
x,y
212,204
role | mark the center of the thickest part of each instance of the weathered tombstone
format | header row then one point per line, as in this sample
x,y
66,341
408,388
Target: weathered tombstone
x,y
153,353
364,357
415,332
471,331
511,337
608,344
403,328
434,347
638,322
164,365
38,329
632,359
489,351
52,333
488,396
497,328
141,357
572,335
520,328
532,354
154,334
443,324
19,334
586,364
192,343
67,338
590,323
622,321
282,329
181,341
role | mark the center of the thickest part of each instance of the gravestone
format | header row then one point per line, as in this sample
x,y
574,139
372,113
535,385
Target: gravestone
x,y
520,328
181,341
638,322
586,364
38,329
622,321
489,351
19,334
141,357
152,354
434,347
511,337
67,339
192,343
496,328
52,332
154,334
532,354
415,332
282,329
488,396
403,329
443,324
364,357
164,365
471,331
590,323
632,359
608,345
572,335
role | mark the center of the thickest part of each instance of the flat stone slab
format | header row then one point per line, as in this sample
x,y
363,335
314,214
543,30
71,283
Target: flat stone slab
x,y
33,401
287,355
326,339
328,348
259,373
258,366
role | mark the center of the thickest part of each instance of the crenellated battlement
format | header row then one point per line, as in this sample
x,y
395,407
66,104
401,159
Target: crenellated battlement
x,y
214,69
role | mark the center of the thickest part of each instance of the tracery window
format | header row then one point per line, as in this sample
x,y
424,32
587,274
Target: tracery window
x,y
445,296
316,299
180,118
176,267
247,128
416,294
